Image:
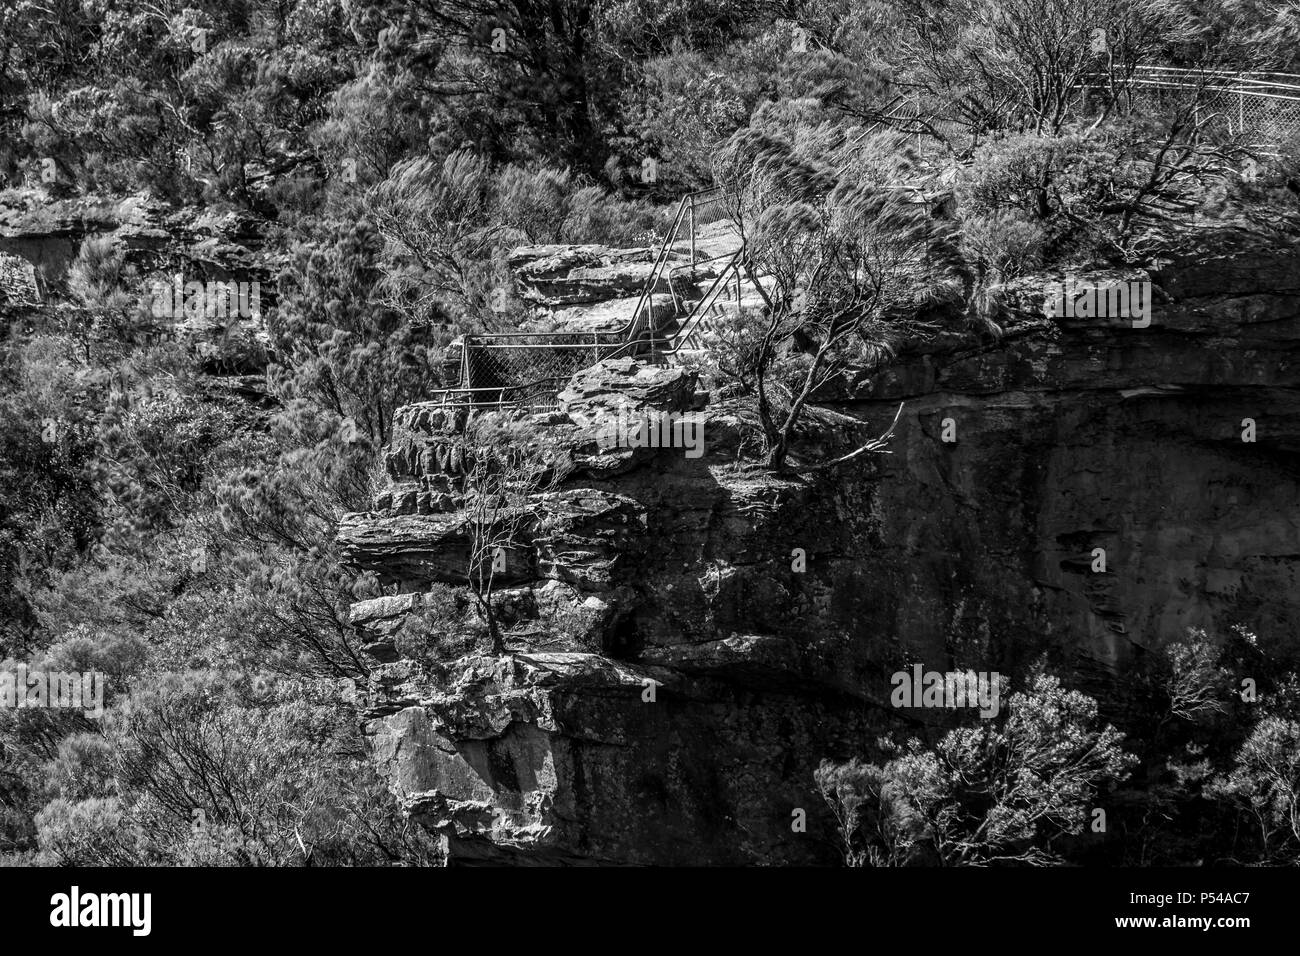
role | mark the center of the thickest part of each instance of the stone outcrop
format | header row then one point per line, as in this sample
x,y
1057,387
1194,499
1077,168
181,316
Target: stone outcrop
x,y
565,275
41,236
674,676
594,288
203,244
597,394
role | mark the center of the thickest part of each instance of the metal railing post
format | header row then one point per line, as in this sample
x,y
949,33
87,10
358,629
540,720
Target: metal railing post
x,y
692,239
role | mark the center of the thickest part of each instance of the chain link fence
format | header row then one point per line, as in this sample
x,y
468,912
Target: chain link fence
x,y
525,368
1259,111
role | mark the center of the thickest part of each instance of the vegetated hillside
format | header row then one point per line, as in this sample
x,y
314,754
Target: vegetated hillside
x,y
274,553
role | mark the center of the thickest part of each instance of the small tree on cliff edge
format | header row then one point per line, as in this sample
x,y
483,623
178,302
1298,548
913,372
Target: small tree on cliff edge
x,y
844,246
501,470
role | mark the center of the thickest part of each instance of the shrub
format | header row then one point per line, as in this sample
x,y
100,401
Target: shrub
x,y
533,201
445,626
1003,244
1264,784
97,276
983,794
212,770
1265,188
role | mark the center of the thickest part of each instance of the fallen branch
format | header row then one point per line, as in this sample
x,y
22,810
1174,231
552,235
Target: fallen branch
x,y
875,444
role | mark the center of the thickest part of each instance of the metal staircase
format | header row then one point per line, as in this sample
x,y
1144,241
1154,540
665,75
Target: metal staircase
x,y
528,369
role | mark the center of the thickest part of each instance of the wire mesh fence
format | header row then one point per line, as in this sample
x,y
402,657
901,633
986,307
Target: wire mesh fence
x,y
1259,111
1261,119
525,368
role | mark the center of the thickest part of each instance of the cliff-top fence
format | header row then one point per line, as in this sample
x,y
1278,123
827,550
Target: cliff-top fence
x,y
1260,109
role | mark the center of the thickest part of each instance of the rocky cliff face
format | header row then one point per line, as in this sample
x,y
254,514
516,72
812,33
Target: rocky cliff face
x,y
41,236
677,672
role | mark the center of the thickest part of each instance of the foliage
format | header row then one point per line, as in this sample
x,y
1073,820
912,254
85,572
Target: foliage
x,y
982,795
218,772
1265,783
181,539
1096,194
828,216
1003,244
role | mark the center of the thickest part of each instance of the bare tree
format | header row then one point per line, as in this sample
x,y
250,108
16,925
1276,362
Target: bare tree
x,y
502,472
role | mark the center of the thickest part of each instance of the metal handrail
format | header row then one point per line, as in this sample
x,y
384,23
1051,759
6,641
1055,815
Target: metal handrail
x,y
694,267
696,316
1225,74
550,347
534,335
685,207
1242,83
445,393
1266,104
629,337
661,259
1230,90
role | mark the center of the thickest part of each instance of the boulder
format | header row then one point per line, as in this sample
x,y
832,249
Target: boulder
x,y
618,386
564,275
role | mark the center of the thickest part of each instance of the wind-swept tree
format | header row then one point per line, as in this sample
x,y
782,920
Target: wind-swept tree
x,y
840,245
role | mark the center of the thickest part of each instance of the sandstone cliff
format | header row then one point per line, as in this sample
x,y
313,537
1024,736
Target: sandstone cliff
x,y
674,679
